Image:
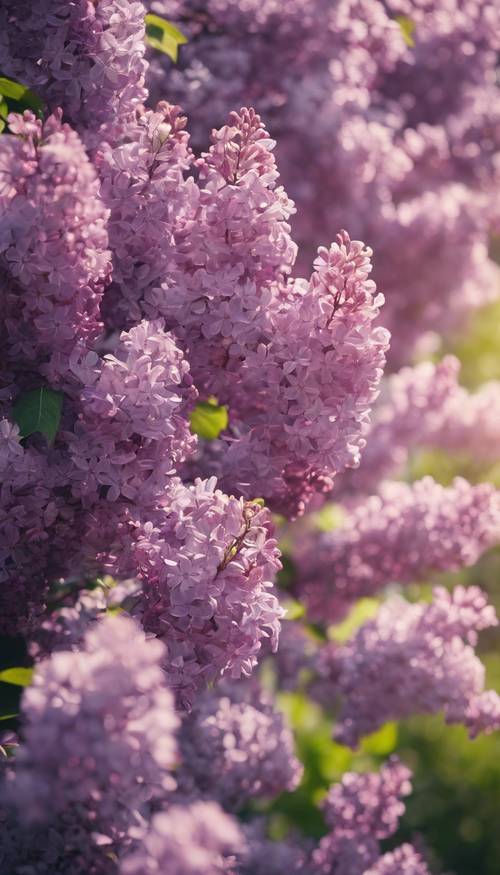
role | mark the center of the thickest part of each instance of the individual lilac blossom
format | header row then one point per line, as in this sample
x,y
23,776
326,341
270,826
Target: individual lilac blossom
x,y
98,736
87,58
206,562
54,260
235,747
405,532
194,839
132,430
415,658
360,811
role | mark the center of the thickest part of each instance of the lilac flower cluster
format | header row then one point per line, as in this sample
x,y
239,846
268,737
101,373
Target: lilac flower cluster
x,y
87,58
259,343
206,562
360,811
424,407
414,658
99,742
138,276
403,534
236,747
394,136
54,256
185,840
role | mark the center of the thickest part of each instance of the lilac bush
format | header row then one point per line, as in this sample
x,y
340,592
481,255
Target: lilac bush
x,y
177,591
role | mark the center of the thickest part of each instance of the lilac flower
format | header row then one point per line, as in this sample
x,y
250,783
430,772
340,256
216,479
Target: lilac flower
x,y
312,386
151,209
400,535
98,739
87,58
206,562
185,840
415,658
36,529
405,860
54,260
236,747
360,811
132,430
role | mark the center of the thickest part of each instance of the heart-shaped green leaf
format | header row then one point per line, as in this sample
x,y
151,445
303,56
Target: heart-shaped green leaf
x,y
39,410
208,419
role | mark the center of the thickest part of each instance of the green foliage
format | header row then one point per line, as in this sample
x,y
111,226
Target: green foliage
x,y
407,29
363,610
164,36
455,799
15,97
39,411
478,348
208,419
19,676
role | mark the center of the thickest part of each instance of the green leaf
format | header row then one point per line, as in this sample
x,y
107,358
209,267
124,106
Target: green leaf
x,y
39,410
9,717
294,609
407,29
20,677
20,94
164,36
382,742
208,419
363,610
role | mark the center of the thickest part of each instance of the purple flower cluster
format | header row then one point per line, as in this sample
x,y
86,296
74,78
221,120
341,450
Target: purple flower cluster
x,y
236,747
87,58
393,136
424,407
403,534
54,256
185,840
138,276
360,811
98,741
414,658
206,562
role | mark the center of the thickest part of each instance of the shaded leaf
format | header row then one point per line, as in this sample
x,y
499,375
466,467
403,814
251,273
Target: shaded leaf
x,y
39,410
407,29
20,677
164,36
208,420
20,94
